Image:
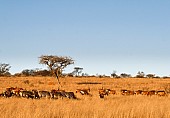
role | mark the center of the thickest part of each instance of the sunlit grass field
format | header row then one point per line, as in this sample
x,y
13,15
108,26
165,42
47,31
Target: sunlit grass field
x,y
112,106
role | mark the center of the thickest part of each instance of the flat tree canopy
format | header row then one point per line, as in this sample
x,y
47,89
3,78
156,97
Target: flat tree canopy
x,y
56,63
78,70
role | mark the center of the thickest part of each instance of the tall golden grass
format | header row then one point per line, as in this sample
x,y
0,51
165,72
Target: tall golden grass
x,y
112,106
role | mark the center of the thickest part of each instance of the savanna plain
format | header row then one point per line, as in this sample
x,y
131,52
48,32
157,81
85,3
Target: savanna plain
x,y
111,106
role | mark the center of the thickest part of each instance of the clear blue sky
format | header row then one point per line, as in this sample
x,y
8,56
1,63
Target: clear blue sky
x,y
101,36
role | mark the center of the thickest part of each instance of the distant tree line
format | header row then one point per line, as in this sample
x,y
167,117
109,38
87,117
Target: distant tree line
x,y
140,74
33,72
56,64
77,72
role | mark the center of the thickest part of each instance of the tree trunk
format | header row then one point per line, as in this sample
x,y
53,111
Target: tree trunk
x,y
57,76
56,72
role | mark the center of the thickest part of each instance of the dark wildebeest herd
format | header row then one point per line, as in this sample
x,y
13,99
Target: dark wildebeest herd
x,y
55,94
37,94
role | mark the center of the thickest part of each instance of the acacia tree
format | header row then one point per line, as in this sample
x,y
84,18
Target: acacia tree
x,y
150,75
114,75
4,69
78,70
124,75
56,64
140,75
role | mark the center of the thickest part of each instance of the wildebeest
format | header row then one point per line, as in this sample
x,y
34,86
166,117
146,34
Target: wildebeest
x,y
8,93
35,94
12,91
138,92
69,95
55,94
151,92
101,95
44,94
27,94
16,91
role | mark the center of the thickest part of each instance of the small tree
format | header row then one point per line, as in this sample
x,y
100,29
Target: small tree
x,y
140,75
78,70
4,69
56,64
43,73
150,75
28,72
114,75
124,75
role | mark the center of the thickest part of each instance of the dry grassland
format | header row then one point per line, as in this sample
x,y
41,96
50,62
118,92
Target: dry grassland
x,y
112,106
